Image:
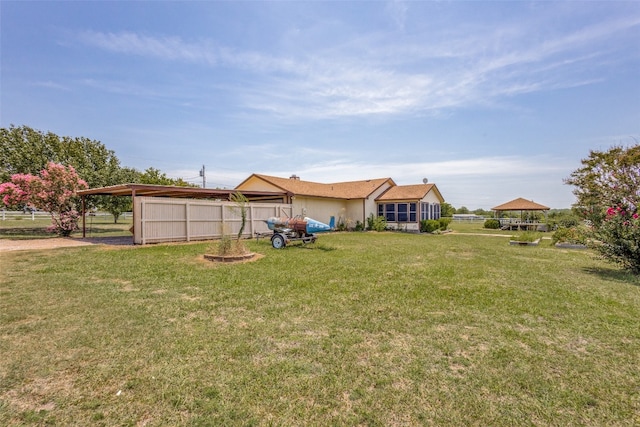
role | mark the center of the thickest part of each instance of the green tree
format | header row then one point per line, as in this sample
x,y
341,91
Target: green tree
x,y
462,210
24,150
607,190
157,177
117,205
482,212
446,209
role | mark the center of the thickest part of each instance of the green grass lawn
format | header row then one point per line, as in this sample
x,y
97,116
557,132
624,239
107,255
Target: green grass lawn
x,y
99,226
358,329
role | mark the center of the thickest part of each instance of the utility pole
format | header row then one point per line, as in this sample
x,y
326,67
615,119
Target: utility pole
x,y
204,179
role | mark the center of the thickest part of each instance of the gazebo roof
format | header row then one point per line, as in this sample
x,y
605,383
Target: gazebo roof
x,y
521,204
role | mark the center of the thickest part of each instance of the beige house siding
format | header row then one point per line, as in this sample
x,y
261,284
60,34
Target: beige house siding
x,y
431,197
346,202
317,208
254,183
371,206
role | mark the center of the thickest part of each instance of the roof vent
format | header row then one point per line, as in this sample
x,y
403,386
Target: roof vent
x,y
295,177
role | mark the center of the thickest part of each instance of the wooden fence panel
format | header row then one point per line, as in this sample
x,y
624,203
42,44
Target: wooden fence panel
x,y
172,220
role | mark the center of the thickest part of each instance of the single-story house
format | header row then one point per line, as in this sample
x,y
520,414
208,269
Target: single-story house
x,y
403,206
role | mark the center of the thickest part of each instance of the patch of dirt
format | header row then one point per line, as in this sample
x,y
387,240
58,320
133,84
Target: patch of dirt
x,y
201,260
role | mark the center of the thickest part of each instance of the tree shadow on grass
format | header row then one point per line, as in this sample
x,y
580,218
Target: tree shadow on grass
x,y
310,247
26,232
110,240
614,274
105,230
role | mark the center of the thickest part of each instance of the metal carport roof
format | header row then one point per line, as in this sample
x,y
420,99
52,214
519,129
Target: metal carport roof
x,y
171,191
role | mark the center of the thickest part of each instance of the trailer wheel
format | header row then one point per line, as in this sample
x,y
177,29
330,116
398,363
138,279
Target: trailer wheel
x,y
278,241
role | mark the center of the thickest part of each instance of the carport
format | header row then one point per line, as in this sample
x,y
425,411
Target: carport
x,y
200,213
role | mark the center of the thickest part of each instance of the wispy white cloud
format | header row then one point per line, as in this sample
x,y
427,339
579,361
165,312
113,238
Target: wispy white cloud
x,y
397,10
477,183
51,85
413,172
460,71
166,48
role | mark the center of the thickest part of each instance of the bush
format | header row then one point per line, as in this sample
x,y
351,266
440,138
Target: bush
x,y
618,237
429,225
563,221
444,223
606,188
376,223
573,235
526,236
227,246
492,224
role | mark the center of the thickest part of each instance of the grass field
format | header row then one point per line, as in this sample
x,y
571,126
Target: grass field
x,y
358,329
26,228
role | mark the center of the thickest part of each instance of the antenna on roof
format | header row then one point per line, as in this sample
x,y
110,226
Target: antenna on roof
x,y
425,180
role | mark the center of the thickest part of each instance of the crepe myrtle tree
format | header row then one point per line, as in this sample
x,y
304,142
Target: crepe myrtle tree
x,y
607,190
53,191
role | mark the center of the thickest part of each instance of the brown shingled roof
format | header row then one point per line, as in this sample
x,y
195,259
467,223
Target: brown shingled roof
x,y
521,204
409,192
341,190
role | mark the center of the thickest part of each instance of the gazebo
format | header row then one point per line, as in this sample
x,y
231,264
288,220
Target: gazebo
x,y
522,205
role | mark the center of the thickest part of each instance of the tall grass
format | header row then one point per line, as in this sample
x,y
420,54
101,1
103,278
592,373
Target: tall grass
x,y
358,329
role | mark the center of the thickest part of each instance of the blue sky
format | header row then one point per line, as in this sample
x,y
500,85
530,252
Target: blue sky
x,y
489,100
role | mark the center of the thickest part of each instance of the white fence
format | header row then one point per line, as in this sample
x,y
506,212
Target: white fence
x,y
468,217
170,220
28,215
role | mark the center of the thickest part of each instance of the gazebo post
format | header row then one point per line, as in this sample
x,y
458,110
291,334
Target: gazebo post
x,y
84,220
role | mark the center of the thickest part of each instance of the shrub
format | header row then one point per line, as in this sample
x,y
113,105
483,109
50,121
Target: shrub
x,y
563,221
492,224
376,223
574,235
444,223
606,188
380,223
618,237
53,191
359,226
227,246
370,220
429,225
526,236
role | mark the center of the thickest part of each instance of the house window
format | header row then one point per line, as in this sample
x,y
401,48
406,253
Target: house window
x,y
398,212
424,211
402,212
429,210
390,212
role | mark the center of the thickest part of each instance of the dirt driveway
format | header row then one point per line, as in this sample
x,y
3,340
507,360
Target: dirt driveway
x,y
61,242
